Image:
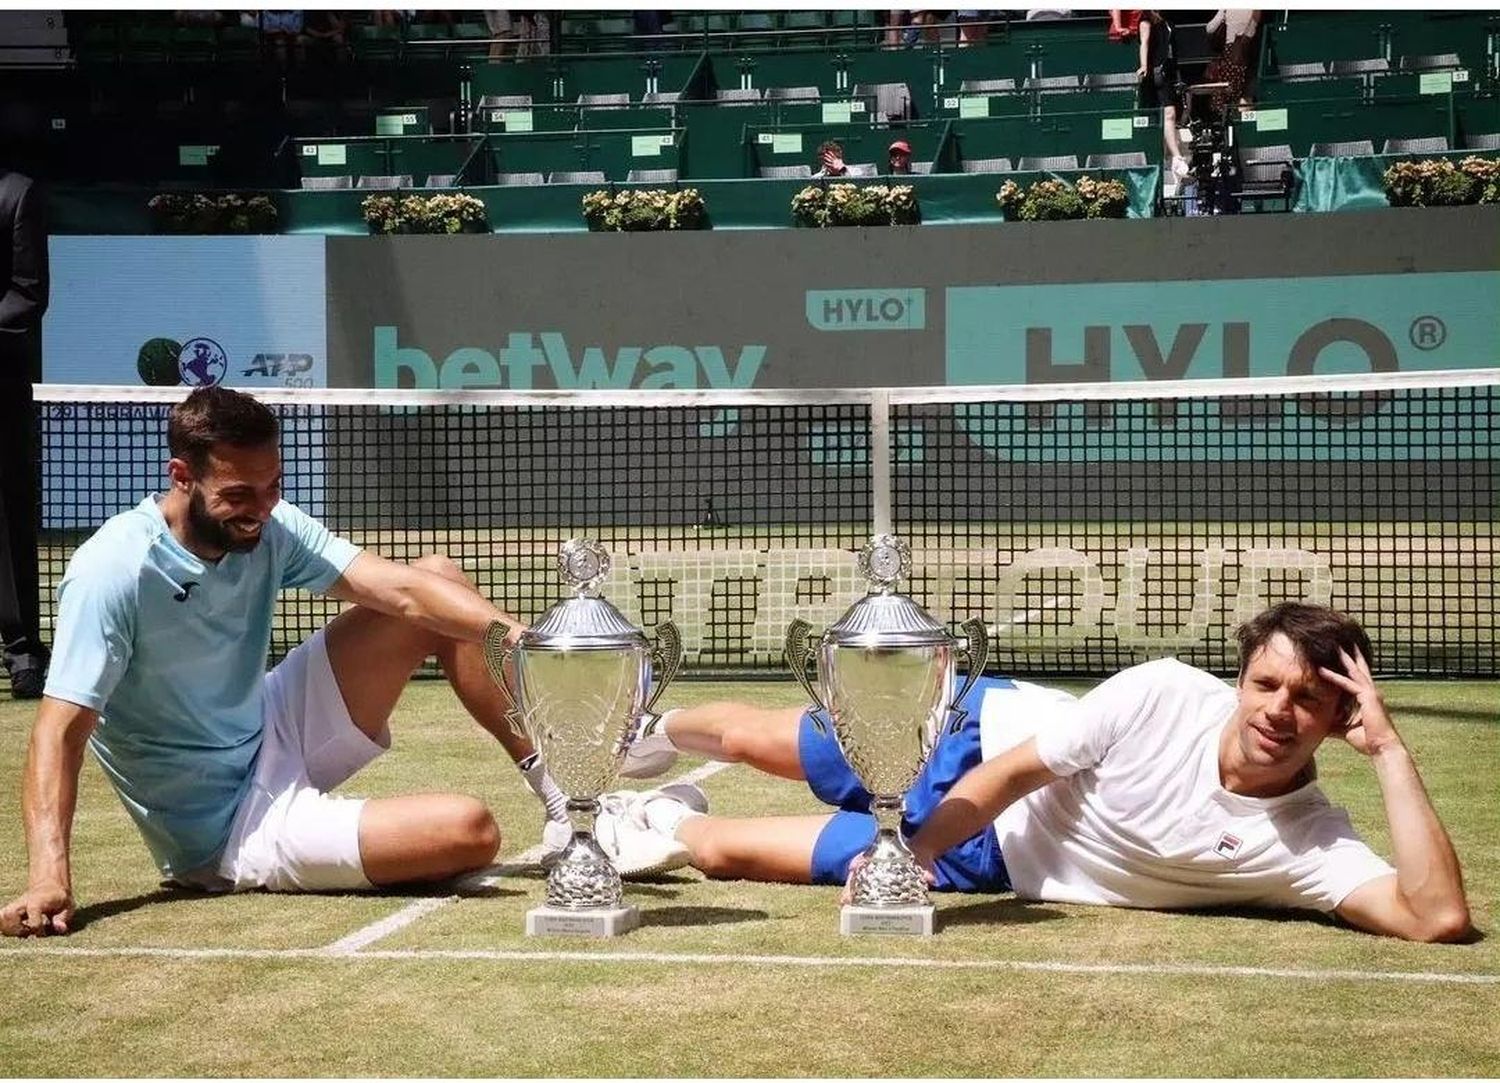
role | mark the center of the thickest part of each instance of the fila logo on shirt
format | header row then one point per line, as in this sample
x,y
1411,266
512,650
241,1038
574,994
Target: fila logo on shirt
x,y
1228,845
183,592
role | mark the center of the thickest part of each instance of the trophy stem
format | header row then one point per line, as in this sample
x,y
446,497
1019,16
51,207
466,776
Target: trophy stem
x,y
890,875
583,877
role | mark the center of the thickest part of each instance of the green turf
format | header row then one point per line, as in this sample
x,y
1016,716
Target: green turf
x,y
436,1015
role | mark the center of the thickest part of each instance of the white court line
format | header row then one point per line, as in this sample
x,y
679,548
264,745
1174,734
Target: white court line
x,y
415,911
1164,970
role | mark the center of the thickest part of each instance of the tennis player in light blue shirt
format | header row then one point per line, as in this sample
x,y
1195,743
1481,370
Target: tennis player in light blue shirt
x,y
183,726
163,631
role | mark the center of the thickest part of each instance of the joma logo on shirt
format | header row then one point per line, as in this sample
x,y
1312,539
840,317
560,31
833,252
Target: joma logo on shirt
x,y
183,592
1228,845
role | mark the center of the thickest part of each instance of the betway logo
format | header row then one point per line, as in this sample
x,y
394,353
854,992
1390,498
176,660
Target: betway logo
x,y
520,364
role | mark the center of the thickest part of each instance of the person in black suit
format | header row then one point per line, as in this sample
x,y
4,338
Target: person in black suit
x,y
24,282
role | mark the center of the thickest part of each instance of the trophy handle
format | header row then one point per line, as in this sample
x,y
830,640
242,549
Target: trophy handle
x,y
798,653
666,660
976,648
496,657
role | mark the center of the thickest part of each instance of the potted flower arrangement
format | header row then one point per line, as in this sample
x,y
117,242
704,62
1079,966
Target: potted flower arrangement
x,y
820,206
644,210
456,213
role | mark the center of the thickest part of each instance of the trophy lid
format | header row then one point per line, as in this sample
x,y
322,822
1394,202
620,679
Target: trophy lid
x,y
884,617
584,621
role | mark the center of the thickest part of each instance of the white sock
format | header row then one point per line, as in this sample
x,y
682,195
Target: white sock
x,y
534,771
665,814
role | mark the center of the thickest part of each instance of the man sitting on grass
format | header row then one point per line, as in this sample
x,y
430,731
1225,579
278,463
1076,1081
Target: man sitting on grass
x,y
164,623
1163,788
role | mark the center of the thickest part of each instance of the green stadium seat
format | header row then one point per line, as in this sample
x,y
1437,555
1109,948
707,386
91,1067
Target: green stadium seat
x,y
578,176
1133,159
1429,62
784,172
399,181
1482,141
520,179
1375,65
327,183
1347,148
1315,69
986,165
1050,163
793,93
651,176
1431,144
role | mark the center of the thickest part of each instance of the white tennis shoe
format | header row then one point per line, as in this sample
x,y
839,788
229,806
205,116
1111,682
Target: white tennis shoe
x,y
624,828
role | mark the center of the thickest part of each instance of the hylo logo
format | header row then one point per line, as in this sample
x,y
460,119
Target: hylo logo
x,y
867,310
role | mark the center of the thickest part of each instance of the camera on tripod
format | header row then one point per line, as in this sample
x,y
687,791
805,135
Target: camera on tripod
x,y
1213,165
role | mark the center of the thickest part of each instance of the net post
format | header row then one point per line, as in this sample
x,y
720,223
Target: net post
x,y
880,461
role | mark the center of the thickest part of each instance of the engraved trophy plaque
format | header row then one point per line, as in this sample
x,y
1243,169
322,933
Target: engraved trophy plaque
x,y
582,674
886,679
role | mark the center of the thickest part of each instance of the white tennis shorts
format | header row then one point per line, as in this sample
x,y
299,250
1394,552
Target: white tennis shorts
x,y
289,834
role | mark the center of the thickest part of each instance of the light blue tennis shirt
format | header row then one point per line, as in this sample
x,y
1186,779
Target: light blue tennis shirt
x,y
171,650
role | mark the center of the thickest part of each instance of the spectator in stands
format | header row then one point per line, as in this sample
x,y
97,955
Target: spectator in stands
x,y
899,160
830,160
647,23
502,33
1236,63
972,27
1124,24
534,33
325,32
282,30
1158,82
24,280
894,21
923,25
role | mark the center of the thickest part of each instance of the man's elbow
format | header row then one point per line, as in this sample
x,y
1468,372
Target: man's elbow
x,y
1447,925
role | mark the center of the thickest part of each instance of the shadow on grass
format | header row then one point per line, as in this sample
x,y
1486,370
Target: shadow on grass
x,y
1010,911
1462,715
699,915
85,916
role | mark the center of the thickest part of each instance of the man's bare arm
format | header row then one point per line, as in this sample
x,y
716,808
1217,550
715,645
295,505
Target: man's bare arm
x,y
49,797
425,598
977,798
1425,899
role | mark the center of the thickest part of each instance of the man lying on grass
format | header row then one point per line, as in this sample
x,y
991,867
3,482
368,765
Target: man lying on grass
x,y
1163,787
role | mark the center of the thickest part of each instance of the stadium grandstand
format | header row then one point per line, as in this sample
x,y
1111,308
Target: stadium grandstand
x,y
111,102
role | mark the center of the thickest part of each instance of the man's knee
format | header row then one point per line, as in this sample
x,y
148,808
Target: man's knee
x,y
713,859
443,565
475,835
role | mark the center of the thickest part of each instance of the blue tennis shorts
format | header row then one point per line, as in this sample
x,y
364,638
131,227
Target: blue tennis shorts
x,y
973,865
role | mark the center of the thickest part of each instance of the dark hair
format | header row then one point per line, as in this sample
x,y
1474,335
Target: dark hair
x,y
217,415
1318,633
831,145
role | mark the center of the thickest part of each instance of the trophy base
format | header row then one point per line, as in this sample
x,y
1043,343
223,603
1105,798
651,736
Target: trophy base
x,y
555,921
886,920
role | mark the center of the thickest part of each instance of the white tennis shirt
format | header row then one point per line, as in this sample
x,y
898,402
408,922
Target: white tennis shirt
x,y
1140,817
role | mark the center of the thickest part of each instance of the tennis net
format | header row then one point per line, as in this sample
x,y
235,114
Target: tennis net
x,y
1090,526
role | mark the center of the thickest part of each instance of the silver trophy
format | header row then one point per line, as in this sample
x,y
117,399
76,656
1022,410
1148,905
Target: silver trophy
x,y
582,674
886,675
